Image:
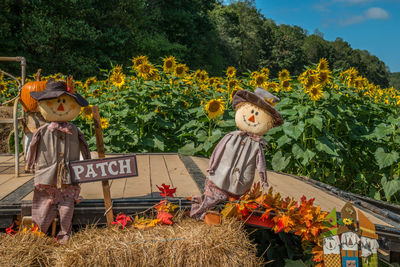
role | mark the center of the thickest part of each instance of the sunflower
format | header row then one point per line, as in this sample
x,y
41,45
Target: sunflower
x,y
169,64
145,70
118,79
323,64
306,74
154,75
214,108
231,72
286,86
232,83
86,112
310,81
347,221
201,76
3,87
315,92
180,70
89,82
212,81
265,71
104,123
259,80
284,75
324,77
117,69
137,61
272,86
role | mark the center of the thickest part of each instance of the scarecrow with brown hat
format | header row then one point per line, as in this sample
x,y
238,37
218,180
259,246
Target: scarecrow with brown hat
x,y
234,160
348,236
330,241
369,243
53,146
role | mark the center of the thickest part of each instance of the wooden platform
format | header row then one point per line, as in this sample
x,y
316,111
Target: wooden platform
x,y
184,172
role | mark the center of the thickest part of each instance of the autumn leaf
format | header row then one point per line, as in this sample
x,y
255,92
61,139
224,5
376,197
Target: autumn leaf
x,y
166,206
229,211
142,223
165,217
256,191
122,220
166,191
318,253
153,223
10,230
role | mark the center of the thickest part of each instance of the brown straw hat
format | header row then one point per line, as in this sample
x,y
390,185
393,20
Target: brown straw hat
x,y
262,99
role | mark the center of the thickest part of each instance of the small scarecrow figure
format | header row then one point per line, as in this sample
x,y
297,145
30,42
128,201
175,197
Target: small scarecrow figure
x,y
349,238
53,146
234,160
330,241
369,243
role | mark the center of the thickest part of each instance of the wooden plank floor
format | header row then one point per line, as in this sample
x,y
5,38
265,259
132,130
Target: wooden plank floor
x,y
153,170
156,169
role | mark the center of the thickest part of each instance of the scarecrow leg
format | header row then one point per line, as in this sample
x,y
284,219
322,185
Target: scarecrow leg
x,y
211,197
43,210
66,209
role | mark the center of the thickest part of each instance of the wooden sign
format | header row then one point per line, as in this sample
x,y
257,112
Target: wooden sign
x,y
85,171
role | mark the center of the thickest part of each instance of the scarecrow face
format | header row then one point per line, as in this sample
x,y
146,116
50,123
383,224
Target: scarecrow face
x,y
349,241
253,119
64,108
330,245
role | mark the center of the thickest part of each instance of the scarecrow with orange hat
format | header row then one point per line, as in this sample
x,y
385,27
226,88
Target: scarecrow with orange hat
x,y
53,146
234,160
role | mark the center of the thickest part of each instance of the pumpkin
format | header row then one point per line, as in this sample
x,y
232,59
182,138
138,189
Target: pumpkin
x,y
28,103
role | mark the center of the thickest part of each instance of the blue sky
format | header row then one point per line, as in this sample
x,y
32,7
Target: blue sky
x,y
371,25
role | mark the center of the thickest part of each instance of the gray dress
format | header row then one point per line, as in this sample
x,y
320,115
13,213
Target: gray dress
x,y
234,161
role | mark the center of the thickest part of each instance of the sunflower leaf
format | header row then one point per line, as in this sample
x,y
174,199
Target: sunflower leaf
x,y
385,159
279,162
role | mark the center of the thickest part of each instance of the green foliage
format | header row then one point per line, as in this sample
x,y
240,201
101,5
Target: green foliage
x,y
80,37
394,80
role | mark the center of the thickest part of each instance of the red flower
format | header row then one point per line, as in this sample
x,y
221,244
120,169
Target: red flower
x,y
166,191
122,220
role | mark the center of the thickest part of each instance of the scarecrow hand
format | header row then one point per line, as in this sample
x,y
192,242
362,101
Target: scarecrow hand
x,y
265,185
210,171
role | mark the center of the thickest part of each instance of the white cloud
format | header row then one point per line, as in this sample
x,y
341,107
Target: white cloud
x,y
369,14
354,2
376,13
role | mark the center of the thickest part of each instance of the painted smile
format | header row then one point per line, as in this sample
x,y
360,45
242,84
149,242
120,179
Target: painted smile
x,y
60,114
250,124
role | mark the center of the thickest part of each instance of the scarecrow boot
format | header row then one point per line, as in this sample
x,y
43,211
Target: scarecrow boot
x,y
211,197
43,209
66,210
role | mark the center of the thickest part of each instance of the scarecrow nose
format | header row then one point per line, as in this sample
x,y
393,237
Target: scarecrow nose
x,y
60,107
251,118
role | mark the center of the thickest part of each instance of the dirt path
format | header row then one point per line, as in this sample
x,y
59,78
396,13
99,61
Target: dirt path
x,y
5,129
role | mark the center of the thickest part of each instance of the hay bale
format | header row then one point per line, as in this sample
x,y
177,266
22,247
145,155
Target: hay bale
x,y
26,250
186,243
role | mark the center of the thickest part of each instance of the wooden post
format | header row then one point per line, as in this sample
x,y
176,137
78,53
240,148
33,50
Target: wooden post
x,y
101,154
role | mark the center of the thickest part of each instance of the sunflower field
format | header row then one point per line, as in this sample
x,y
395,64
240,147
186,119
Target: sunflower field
x,y
339,128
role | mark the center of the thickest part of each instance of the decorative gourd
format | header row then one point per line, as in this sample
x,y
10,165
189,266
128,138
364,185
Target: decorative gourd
x,y
28,103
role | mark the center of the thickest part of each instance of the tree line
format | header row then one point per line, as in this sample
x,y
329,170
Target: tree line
x,y
80,37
